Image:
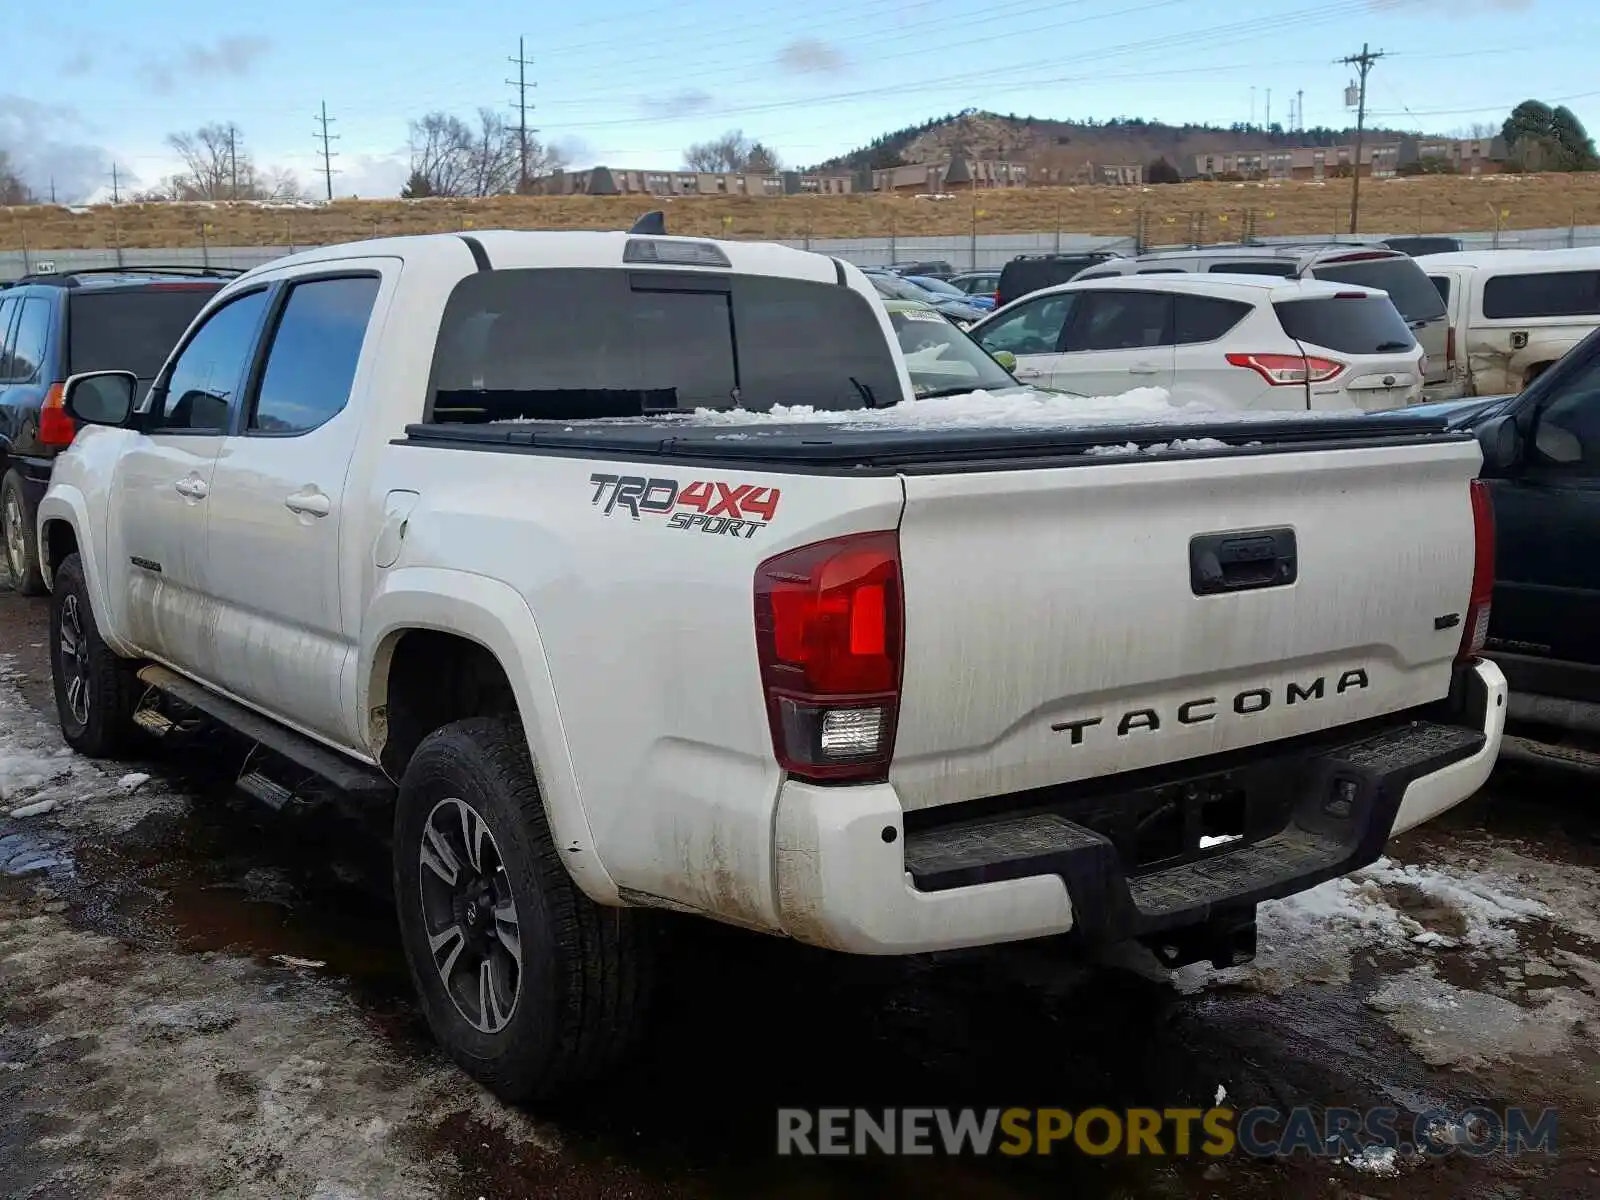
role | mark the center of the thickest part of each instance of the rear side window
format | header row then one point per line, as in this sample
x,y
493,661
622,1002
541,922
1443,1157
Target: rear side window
x,y
27,344
1547,294
1159,271
1254,266
1205,318
1413,294
1369,325
314,354
8,310
1120,321
1441,284
585,344
130,330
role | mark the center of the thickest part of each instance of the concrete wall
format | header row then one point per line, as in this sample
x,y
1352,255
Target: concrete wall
x,y
964,253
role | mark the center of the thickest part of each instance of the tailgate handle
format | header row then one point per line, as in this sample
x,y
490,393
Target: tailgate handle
x,y
1242,561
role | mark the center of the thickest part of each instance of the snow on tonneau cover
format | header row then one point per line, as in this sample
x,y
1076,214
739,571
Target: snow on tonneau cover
x,y
1054,630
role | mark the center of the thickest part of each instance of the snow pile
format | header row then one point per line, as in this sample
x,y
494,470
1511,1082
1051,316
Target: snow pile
x,y
1023,408
1382,1161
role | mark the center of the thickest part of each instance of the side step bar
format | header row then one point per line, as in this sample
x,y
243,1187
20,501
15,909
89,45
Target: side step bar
x,y
348,776
1550,754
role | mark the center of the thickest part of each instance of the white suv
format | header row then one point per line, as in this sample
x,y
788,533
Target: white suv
x,y
1230,341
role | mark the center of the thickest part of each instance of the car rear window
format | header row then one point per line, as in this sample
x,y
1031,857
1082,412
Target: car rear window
x,y
130,330
1253,266
1407,285
1546,294
569,345
1369,325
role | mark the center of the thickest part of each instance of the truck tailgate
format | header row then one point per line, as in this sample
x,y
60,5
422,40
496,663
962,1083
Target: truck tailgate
x,y
1053,630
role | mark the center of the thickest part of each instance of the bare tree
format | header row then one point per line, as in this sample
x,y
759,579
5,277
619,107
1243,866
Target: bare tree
x,y
730,152
12,189
218,167
452,158
763,159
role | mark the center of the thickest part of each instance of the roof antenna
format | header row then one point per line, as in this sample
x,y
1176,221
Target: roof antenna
x,y
653,222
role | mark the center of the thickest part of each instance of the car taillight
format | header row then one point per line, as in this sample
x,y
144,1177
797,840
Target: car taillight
x,y
829,619
1476,631
56,428
1283,369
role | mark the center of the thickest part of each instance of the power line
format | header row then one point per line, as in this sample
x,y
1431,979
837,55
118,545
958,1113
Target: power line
x,y
1363,62
327,153
522,85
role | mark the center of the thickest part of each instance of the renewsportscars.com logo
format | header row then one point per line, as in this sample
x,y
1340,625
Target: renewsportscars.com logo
x,y
1376,1135
702,506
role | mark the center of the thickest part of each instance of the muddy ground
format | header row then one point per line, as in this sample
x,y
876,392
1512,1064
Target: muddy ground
x,y
202,998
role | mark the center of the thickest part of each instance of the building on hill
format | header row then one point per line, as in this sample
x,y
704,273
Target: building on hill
x,y
957,173
1380,160
606,181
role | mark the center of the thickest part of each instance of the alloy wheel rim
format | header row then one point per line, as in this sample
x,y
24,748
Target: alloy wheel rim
x,y
14,543
469,915
74,660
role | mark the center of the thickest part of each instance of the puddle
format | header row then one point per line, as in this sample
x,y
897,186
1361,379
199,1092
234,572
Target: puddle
x,y
26,853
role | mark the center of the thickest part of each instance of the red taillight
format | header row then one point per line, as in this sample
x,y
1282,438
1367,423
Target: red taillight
x,y
1282,370
1476,631
828,636
56,428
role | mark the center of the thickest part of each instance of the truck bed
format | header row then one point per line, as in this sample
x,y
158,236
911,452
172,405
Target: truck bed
x,y
827,448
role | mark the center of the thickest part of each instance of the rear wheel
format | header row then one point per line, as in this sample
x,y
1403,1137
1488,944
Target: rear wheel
x,y
527,984
21,539
97,690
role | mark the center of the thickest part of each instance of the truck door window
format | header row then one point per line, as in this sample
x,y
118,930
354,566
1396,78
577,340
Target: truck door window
x,y
28,341
315,348
201,389
1568,431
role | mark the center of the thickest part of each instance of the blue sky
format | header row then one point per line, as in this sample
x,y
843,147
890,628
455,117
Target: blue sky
x,y
632,82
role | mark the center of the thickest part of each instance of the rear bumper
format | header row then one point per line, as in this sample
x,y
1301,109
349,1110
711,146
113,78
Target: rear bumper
x,y
35,475
851,878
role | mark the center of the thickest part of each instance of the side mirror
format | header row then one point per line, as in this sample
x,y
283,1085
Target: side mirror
x,y
1006,359
1501,443
101,397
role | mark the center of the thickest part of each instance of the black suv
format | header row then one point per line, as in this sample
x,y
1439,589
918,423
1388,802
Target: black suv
x,y
54,326
1030,272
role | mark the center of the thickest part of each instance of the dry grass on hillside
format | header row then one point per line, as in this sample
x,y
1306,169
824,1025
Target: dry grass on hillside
x,y
1439,204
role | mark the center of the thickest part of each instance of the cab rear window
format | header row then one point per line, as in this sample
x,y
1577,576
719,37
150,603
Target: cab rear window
x,y
572,345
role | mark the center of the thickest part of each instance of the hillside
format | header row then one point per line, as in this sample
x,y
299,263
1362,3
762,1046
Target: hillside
x,y
1219,211
1051,146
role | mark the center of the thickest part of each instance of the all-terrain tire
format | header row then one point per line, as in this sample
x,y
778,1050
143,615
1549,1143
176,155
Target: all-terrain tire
x,y
18,537
96,689
585,970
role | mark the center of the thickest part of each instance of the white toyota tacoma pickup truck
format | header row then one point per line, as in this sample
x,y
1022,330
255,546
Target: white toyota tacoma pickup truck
x,y
435,519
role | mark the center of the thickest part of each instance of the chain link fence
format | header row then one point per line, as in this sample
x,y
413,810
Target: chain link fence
x,y
975,251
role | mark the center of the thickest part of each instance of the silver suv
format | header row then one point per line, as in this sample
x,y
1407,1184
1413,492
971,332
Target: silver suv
x,y
1372,266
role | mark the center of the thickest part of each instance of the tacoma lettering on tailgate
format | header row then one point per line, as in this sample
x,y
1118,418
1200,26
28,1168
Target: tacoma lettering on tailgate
x,y
1205,708
703,506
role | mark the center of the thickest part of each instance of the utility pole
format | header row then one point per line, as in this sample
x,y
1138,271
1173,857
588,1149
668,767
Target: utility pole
x,y
233,161
522,85
1269,108
327,153
52,189
1363,63
1300,109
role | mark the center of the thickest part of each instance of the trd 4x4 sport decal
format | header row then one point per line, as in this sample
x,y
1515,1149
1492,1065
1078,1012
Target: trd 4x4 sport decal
x,y
704,506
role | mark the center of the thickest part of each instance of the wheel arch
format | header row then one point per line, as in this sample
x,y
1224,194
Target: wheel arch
x,y
435,608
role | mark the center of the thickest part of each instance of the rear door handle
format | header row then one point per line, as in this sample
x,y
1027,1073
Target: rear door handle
x,y
309,503
191,489
1144,369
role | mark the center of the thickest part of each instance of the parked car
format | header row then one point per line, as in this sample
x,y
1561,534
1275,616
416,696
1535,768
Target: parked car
x,y
1029,272
1230,341
1419,245
937,268
895,287
940,358
1513,313
53,326
978,283
939,287
1542,466
882,687
1366,265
